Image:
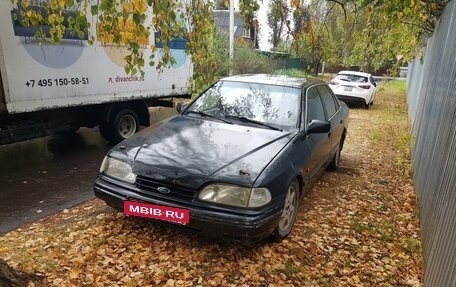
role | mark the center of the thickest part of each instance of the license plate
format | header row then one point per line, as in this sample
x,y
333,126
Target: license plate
x,y
348,88
165,213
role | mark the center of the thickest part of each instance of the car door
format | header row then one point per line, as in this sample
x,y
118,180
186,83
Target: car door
x,y
332,106
319,143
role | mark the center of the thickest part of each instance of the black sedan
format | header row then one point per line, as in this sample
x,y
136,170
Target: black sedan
x,y
235,162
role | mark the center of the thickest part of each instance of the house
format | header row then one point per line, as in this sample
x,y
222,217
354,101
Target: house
x,y
222,26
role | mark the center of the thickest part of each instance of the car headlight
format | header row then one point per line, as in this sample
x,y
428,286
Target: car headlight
x,y
235,195
118,169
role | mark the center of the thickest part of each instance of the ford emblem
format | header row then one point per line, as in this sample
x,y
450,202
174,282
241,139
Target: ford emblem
x,y
163,190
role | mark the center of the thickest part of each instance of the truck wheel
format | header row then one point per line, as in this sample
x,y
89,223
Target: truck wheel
x,y
124,124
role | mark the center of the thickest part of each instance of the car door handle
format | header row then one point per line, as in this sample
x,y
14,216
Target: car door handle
x,y
341,121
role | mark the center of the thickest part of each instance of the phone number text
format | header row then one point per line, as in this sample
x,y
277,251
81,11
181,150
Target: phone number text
x,y
57,82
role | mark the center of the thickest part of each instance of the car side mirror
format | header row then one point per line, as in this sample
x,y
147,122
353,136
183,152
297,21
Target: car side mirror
x,y
318,127
180,106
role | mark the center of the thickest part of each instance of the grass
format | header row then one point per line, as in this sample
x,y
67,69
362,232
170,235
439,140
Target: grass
x,y
395,87
386,231
391,132
360,227
289,269
412,245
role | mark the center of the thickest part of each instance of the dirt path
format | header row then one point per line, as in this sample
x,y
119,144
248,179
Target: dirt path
x,y
357,227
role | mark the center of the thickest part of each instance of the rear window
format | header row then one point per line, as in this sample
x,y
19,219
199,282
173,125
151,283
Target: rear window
x,y
352,78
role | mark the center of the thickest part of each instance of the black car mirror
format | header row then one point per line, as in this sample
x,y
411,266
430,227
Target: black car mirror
x,y
180,106
318,127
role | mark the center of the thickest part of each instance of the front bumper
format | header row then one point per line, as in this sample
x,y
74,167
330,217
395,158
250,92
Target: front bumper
x,y
245,227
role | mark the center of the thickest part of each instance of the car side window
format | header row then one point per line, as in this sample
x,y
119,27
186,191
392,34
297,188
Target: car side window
x,y
314,109
328,100
371,79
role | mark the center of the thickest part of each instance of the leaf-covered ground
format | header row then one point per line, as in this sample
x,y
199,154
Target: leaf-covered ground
x,y
357,227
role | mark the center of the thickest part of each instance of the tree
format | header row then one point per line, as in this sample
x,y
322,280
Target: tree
x,y
368,34
380,28
308,33
10,277
277,18
221,5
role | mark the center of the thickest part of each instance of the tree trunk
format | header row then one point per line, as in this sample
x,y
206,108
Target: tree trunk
x,y
9,277
316,67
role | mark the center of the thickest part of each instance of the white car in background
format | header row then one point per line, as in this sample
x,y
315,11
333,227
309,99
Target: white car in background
x,y
354,87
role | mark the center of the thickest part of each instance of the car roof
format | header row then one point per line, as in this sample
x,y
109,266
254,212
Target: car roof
x,y
278,80
362,74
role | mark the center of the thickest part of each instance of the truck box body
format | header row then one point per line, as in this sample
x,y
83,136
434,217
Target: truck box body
x,y
40,77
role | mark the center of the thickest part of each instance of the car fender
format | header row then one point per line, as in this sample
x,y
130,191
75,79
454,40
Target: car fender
x,y
284,168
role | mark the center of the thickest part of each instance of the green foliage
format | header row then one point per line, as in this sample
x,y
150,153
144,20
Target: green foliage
x,y
221,4
31,13
129,24
200,45
277,18
291,72
220,49
248,8
352,32
309,38
282,47
368,34
247,61
421,13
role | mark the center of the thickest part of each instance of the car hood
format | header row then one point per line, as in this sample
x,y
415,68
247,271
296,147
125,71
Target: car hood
x,y
190,151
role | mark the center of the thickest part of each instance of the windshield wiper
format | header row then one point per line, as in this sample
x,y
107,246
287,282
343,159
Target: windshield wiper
x,y
207,116
247,120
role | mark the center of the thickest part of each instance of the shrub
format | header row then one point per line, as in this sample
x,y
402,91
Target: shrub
x,y
291,72
246,60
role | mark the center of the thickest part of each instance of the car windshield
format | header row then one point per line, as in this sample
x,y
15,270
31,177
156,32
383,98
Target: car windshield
x,y
352,78
273,105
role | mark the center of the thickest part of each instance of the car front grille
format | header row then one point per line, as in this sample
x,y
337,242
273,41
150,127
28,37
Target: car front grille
x,y
150,188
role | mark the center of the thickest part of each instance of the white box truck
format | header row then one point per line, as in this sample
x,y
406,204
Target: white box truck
x,y
48,88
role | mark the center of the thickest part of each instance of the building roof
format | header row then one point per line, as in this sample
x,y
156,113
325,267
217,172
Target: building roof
x,y
222,22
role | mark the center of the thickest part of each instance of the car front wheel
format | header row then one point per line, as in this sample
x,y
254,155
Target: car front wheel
x,y
289,212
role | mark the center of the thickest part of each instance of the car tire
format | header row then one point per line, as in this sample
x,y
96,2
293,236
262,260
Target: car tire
x,y
124,124
335,162
289,212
